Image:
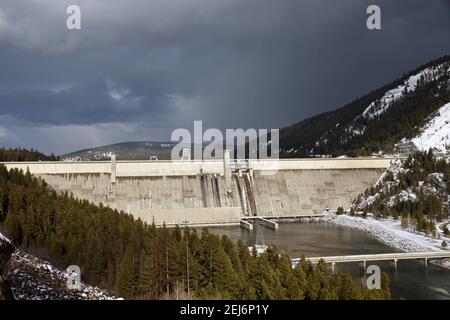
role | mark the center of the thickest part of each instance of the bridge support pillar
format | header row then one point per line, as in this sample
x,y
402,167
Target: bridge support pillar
x,y
246,225
425,262
363,265
394,264
113,168
333,266
269,223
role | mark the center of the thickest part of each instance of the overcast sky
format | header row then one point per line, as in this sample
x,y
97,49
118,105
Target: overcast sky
x,y
139,69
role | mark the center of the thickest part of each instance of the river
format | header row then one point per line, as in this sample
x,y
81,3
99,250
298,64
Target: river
x,y
411,280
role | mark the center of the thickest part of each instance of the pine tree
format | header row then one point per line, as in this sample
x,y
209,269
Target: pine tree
x,y
137,260
126,282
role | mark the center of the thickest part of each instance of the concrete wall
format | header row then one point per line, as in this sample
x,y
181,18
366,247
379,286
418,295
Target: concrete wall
x,y
297,192
199,192
199,199
320,164
192,216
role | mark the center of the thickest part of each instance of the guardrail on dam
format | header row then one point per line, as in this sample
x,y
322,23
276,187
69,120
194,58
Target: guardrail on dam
x,y
213,192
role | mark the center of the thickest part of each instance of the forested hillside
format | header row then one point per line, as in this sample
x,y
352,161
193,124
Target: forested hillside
x,y
375,122
141,261
24,155
415,191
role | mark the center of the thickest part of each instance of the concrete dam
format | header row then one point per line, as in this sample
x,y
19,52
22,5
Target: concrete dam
x,y
213,192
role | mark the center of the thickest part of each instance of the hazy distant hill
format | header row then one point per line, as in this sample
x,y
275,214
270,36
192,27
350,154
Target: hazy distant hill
x,y
140,150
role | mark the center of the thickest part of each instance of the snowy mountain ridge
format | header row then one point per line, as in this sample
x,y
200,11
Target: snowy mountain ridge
x,y
380,106
376,122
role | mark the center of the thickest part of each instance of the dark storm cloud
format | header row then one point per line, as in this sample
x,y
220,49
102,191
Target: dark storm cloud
x,y
139,69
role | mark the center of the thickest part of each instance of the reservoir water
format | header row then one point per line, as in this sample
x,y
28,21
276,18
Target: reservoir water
x,y
411,280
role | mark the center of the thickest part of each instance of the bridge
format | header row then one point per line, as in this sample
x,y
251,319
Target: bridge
x,y
364,258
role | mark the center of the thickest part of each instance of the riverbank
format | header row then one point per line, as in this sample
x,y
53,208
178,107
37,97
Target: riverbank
x,y
389,232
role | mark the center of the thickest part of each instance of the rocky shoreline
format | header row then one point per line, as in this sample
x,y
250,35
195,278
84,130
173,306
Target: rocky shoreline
x,y
384,232
6,250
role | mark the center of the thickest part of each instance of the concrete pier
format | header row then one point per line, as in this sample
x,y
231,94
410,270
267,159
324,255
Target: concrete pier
x,y
113,169
269,223
394,263
363,265
227,169
246,225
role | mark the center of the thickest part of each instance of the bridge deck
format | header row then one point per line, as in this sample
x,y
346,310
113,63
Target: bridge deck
x,y
284,217
379,257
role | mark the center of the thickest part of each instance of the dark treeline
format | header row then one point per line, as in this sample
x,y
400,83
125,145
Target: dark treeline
x,y
136,260
19,154
422,172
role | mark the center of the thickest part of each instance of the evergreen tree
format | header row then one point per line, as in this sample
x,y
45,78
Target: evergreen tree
x,y
126,284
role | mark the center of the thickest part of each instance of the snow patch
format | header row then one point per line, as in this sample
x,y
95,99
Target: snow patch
x,y
3,238
436,134
35,279
377,107
390,232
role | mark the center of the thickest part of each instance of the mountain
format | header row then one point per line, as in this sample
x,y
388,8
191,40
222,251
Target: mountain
x,y
387,119
415,193
434,135
134,150
140,150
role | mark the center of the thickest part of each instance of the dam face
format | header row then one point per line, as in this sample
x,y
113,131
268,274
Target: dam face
x,y
213,192
293,192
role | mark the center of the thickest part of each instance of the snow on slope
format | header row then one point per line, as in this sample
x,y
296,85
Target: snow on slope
x,y
35,279
390,232
378,107
436,134
3,238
